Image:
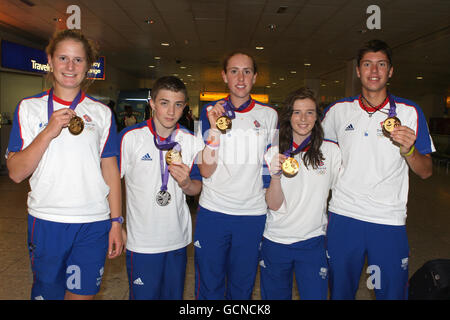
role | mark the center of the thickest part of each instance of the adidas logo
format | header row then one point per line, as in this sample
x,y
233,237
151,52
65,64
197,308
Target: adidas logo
x,y
146,157
349,127
197,244
138,281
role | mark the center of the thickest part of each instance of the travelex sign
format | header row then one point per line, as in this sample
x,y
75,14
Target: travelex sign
x,y
19,57
97,70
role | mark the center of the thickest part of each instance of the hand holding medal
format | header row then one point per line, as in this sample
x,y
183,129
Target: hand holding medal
x,y
173,156
223,113
392,121
59,119
392,127
290,166
215,113
283,163
276,164
223,123
75,124
405,137
181,173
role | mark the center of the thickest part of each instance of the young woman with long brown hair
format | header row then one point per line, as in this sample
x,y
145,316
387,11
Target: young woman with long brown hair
x,y
294,236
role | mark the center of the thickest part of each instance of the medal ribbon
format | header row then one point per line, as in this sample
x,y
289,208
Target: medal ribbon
x,y
73,105
392,106
166,144
230,108
164,171
291,152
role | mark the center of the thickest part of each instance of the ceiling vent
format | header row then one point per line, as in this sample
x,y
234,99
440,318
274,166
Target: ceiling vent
x,y
282,9
28,3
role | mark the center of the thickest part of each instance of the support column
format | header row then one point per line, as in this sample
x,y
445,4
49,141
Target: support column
x,y
313,84
352,83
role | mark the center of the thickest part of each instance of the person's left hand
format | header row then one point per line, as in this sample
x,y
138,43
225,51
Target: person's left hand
x,y
405,137
180,172
116,242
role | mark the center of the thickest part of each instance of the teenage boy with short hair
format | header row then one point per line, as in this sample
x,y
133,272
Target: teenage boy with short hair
x,y
158,218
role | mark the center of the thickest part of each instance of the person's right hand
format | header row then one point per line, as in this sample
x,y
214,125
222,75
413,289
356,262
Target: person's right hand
x,y
276,163
60,119
214,112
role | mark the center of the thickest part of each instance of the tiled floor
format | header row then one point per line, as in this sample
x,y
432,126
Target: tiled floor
x,y
428,229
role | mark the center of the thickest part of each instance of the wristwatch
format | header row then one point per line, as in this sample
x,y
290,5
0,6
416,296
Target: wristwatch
x,y
118,219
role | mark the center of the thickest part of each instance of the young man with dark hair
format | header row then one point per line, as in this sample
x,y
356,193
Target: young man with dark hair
x,y
381,137
375,46
156,159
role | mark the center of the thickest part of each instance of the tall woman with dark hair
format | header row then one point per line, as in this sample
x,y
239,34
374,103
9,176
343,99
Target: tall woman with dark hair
x,y
294,236
232,210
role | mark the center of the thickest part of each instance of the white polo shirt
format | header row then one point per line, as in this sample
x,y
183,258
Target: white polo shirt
x,y
152,228
303,214
373,186
236,187
67,185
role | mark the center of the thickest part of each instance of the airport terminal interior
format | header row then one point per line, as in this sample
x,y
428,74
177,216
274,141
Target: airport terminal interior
x,y
294,42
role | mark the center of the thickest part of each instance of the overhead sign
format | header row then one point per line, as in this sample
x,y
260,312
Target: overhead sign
x,y
20,57
213,96
97,70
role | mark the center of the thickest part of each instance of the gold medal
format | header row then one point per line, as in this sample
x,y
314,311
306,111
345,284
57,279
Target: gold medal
x,y
173,156
76,125
389,124
290,167
223,123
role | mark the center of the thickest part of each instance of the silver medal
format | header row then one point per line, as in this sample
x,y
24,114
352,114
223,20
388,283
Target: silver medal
x,y
163,198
